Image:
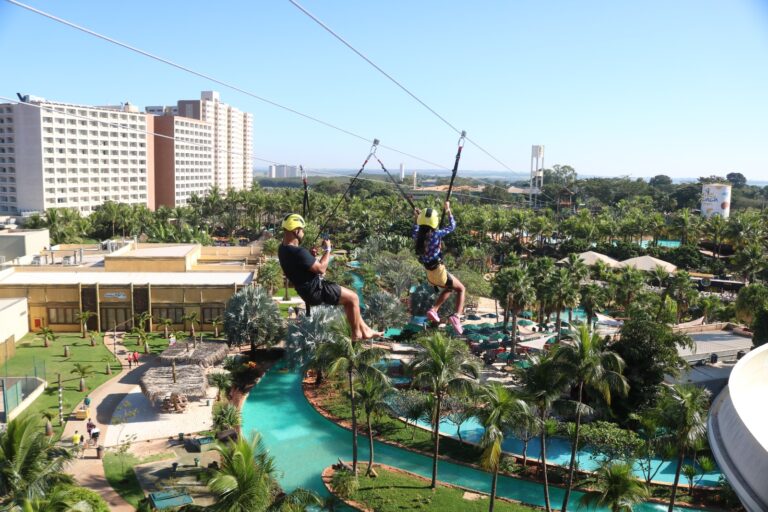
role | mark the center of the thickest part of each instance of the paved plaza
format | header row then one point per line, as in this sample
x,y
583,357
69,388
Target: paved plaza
x,y
723,343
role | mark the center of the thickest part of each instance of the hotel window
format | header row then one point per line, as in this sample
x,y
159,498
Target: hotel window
x,y
210,313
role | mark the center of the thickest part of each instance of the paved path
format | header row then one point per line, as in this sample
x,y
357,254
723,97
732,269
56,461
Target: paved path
x,y
89,470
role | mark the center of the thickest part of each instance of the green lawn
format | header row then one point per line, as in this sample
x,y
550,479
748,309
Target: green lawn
x,y
394,492
118,469
157,342
31,353
394,430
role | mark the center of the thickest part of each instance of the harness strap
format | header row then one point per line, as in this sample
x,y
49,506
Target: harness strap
x,y
453,173
399,188
305,201
344,196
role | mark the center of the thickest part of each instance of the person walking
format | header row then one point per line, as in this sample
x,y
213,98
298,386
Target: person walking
x,y
95,433
130,361
136,358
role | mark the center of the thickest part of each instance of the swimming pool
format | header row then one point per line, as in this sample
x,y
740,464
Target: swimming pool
x,y
559,452
669,244
303,443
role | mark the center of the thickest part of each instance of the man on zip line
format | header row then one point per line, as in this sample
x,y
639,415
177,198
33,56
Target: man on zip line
x,y
306,274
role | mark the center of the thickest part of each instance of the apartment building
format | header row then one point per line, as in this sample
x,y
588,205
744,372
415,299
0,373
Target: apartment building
x,y
56,155
232,138
283,171
183,159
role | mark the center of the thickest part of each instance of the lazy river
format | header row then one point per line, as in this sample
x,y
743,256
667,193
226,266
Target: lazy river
x,y
303,443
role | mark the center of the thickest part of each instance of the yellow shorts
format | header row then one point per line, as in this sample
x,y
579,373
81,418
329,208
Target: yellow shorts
x,y
440,277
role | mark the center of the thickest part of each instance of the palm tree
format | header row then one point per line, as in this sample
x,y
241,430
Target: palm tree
x,y
590,365
84,370
216,323
48,336
750,260
564,294
270,276
383,310
32,464
514,287
614,487
683,292
251,316
543,382
592,298
222,381
501,409
709,305
444,366
343,356
246,480
628,282
371,393
682,410
167,324
191,317
83,318
48,416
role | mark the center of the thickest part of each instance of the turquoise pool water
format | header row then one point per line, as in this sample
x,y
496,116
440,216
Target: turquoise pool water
x,y
670,244
304,443
559,452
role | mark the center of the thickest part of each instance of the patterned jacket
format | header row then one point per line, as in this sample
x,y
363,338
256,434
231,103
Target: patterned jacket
x,y
433,252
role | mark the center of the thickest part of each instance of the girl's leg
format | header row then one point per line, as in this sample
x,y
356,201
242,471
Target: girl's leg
x,y
444,294
459,288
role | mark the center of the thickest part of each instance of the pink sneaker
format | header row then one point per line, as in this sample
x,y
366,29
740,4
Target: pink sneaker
x,y
456,324
432,316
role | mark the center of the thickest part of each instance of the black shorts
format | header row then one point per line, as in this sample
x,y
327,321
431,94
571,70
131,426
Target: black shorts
x,y
319,291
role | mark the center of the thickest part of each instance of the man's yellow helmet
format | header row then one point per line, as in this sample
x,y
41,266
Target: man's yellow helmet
x,y
429,217
293,221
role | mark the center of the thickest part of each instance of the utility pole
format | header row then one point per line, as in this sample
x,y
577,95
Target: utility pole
x,y
61,404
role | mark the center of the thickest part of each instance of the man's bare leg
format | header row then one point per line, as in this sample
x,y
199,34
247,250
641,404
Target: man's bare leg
x,y
351,303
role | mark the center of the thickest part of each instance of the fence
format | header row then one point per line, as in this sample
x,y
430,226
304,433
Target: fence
x,y
18,393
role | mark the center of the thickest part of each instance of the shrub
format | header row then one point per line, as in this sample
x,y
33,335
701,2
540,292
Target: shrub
x,y
345,483
225,417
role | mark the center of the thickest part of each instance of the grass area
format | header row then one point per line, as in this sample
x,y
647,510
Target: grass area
x,y
118,469
31,354
157,341
394,430
393,491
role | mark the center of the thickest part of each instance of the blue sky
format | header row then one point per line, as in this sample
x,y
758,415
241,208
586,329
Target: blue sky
x,y
611,88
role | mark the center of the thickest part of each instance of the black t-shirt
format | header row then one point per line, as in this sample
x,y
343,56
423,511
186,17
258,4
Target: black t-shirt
x,y
296,262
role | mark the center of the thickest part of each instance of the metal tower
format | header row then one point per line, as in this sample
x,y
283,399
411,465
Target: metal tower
x,y
537,174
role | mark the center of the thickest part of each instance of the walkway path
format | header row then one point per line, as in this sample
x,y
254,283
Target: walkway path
x,y
89,470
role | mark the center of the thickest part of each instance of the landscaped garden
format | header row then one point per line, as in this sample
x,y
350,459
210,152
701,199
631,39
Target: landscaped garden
x,y
86,361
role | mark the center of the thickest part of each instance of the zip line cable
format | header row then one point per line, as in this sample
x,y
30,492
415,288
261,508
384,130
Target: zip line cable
x,y
394,81
213,79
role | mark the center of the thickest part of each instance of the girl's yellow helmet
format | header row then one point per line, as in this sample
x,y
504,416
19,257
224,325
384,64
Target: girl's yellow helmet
x,y
429,217
293,221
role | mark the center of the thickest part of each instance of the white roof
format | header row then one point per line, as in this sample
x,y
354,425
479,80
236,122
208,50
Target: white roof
x,y
173,251
591,257
115,278
648,263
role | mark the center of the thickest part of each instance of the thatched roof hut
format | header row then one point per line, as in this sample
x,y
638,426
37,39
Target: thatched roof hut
x,y
157,383
205,353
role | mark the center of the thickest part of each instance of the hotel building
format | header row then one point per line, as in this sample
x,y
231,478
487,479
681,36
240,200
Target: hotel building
x,y
60,155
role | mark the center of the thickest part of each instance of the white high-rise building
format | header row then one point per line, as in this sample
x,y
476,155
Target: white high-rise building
x,y
232,138
55,155
283,171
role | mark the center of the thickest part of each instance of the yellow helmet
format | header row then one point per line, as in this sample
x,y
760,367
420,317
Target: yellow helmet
x,y
429,217
293,221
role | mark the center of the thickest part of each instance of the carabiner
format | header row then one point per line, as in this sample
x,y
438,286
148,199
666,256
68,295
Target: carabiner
x,y
461,139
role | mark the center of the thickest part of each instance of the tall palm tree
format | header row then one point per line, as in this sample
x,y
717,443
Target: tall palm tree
x,y
564,294
614,487
683,292
592,298
216,323
371,393
222,381
750,260
514,287
84,371
246,480
629,281
343,356
500,411
83,317
543,382
682,411
31,464
444,366
48,336
590,365
167,324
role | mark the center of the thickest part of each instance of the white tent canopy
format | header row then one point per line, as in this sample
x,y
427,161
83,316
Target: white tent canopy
x,y
591,257
537,344
648,264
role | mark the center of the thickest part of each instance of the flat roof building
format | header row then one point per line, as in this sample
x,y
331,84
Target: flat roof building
x,y
61,155
183,159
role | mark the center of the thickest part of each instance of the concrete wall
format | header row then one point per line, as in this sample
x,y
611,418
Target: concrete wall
x,y
23,242
14,324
